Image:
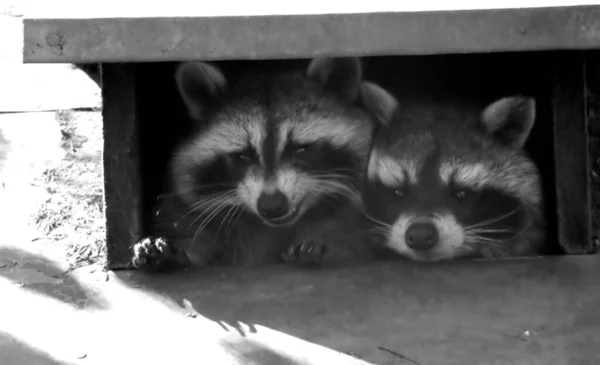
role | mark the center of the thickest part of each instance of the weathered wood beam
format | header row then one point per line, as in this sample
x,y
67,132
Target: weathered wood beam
x,y
303,36
571,156
122,181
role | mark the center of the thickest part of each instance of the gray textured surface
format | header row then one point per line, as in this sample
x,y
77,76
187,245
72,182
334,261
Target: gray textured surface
x,y
303,36
540,311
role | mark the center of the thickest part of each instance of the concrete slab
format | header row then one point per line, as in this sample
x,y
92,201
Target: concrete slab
x,y
512,312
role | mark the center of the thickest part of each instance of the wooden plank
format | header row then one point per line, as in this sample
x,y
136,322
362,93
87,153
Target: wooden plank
x,y
571,157
532,311
298,36
73,9
592,86
122,183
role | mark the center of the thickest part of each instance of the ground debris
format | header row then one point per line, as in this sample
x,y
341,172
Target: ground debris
x,y
72,214
398,355
7,263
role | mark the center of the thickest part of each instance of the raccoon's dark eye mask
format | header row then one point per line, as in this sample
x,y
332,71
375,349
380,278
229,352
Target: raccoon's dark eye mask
x,y
246,155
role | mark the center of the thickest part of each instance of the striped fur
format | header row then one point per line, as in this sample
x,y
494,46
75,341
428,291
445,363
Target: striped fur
x,y
447,181
295,135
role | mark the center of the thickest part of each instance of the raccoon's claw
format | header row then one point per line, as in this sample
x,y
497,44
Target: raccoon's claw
x,y
308,253
152,254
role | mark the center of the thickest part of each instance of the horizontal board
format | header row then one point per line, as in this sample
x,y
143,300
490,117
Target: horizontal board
x,y
73,9
302,36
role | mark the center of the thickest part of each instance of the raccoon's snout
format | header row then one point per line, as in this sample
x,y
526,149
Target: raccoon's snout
x,y
421,235
274,208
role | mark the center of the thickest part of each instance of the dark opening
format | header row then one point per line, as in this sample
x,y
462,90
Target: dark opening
x,y
483,77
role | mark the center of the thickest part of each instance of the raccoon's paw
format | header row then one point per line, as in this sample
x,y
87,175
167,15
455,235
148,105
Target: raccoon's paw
x,y
153,254
309,252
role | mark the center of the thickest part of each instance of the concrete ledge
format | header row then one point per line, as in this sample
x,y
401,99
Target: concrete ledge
x,y
533,311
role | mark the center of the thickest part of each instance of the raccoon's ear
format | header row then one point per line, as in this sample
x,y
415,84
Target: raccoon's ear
x,y
198,83
341,75
510,120
378,101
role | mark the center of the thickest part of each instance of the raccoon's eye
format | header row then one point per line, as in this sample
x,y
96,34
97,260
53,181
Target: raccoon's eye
x,y
302,149
460,194
399,193
243,156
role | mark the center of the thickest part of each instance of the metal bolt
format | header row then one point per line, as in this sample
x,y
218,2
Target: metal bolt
x,y
54,39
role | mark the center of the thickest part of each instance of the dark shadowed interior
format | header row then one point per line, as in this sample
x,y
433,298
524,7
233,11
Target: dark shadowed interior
x,y
476,78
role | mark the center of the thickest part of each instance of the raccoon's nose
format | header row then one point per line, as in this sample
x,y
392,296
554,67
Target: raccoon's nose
x,y
273,205
421,236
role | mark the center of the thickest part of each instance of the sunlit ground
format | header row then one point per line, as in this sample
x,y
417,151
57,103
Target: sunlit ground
x,y
96,318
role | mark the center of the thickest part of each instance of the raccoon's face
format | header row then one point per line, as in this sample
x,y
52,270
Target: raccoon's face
x,y
275,147
446,188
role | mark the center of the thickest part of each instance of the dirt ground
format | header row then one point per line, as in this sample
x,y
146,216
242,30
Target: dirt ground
x,y
51,191
50,155
71,215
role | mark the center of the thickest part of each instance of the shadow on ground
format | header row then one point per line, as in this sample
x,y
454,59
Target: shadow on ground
x,y
47,317
40,274
21,353
250,303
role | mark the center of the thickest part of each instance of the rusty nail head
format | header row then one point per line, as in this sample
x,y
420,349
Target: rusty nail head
x,y
53,39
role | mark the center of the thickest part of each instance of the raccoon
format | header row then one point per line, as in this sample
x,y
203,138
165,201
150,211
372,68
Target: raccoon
x,y
448,181
273,172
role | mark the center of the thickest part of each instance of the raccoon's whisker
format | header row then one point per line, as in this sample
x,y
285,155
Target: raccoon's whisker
x,y
209,212
227,218
212,215
483,240
341,193
492,220
207,199
523,230
384,231
376,221
348,183
215,212
477,233
335,176
203,202
235,218
326,187
239,209
338,187
329,197
212,199
214,203
488,231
